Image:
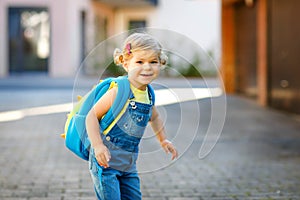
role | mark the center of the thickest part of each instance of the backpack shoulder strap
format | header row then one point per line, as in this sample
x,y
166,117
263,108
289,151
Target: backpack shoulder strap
x,y
124,93
94,95
122,96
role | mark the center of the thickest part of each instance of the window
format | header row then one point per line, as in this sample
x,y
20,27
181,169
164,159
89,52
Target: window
x,y
137,26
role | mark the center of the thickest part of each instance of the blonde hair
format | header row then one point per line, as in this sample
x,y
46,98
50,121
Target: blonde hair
x,y
139,42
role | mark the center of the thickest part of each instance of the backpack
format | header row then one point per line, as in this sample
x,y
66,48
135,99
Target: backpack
x,y
76,138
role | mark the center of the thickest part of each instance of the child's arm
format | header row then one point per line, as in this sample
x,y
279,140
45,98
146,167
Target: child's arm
x,y
102,154
159,130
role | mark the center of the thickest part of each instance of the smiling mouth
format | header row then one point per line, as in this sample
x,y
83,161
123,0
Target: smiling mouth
x,y
146,75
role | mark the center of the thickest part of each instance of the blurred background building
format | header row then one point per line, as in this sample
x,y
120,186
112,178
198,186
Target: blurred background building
x,y
260,51
258,44
53,37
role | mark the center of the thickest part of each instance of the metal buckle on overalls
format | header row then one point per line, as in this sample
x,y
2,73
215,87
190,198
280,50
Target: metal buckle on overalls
x,y
133,106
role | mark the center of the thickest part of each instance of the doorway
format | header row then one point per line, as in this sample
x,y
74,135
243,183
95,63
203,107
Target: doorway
x,y
29,39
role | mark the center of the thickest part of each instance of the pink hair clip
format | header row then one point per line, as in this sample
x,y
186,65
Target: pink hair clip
x,y
128,47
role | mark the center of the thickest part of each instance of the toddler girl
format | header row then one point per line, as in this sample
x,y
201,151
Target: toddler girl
x,y
113,151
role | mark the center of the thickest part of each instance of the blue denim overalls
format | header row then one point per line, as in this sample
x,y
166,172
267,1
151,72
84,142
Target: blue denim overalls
x,y
120,180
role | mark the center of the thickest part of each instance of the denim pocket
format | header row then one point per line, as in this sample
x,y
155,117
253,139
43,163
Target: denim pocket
x,y
132,125
139,119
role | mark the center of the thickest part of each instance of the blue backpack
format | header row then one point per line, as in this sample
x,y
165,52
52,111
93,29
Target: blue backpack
x,y
75,133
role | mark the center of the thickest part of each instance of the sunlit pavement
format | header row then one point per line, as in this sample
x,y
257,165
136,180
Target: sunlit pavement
x,y
256,157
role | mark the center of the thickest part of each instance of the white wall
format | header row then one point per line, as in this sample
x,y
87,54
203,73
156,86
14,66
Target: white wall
x,y
198,20
65,54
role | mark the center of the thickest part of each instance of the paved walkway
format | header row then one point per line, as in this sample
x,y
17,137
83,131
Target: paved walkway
x,y
256,157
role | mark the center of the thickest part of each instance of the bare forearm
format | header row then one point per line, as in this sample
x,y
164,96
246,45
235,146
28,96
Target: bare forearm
x,y
93,130
157,125
158,129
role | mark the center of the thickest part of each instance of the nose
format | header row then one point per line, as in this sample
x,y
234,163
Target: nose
x,y
146,66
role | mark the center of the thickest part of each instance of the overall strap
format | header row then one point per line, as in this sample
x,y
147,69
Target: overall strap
x,y
151,94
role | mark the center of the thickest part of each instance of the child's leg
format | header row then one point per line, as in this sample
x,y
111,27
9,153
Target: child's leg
x,y
105,181
130,186
96,174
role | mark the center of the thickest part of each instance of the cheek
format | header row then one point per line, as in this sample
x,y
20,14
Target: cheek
x,y
133,70
156,70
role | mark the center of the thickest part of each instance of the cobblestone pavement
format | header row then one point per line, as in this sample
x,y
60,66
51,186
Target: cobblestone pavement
x,y
257,156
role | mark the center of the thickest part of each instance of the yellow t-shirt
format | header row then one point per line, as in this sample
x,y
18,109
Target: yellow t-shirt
x,y
139,96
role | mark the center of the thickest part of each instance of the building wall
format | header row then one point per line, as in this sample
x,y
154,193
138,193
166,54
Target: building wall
x,y
3,38
65,34
241,49
197,20
284,48
66,37
263,54
245,43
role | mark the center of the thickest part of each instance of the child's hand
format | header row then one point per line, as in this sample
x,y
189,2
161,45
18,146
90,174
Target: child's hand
x,y
169,148
102,155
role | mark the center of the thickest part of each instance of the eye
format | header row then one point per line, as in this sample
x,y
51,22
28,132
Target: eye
x,y
154,62
139,62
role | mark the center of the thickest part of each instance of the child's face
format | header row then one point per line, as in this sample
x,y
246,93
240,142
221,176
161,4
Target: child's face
x,y
142,68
